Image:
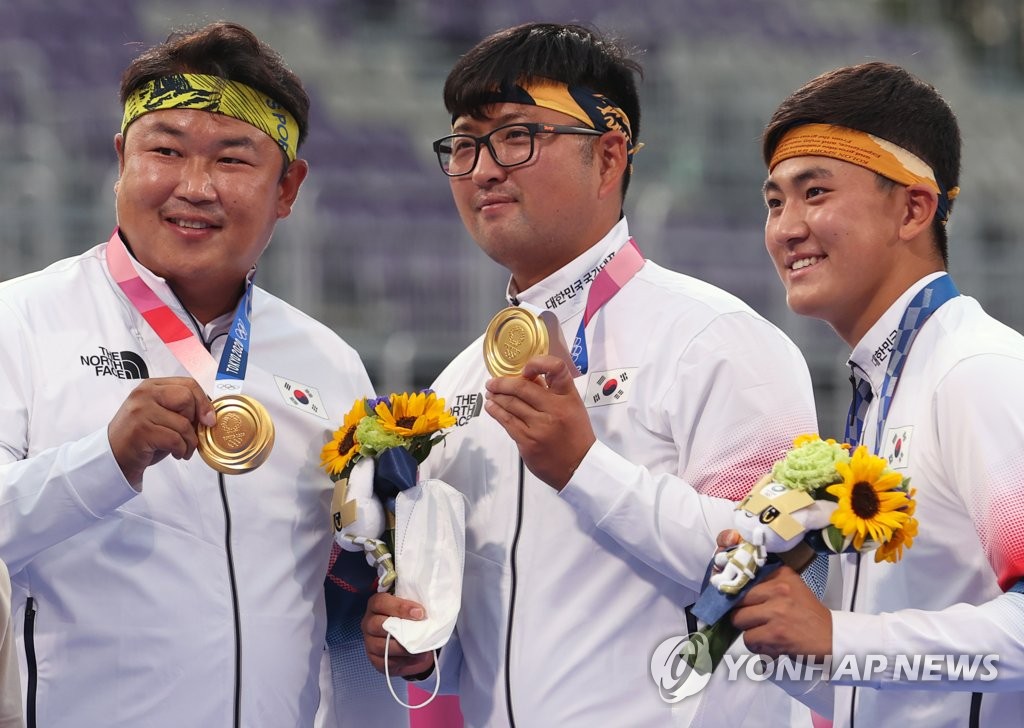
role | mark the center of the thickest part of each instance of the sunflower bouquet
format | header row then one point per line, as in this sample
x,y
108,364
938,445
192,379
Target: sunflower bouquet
x,y
371,458
819,499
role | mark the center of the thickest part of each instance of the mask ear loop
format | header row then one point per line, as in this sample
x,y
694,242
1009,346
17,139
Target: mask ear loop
x,y
387,674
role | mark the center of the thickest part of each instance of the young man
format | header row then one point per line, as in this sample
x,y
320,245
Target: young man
x,y
150,588
863,164
590,521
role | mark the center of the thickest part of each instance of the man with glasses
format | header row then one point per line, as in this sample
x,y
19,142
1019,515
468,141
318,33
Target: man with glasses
x,y
593,500
509,146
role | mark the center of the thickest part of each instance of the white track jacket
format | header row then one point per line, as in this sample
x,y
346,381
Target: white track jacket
x,y
199,601
567,596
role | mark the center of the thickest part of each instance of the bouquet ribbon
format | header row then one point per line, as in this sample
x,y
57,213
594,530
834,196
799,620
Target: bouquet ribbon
x,y
394,472
713,604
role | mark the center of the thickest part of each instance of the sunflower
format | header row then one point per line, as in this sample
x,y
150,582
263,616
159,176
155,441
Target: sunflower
x,y
411,415
871,505
801,440
892,550
337,454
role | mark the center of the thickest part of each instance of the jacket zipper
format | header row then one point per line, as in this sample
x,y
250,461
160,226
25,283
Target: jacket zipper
x,y
853,602
512,596
30,660
237,707
234,603
975,714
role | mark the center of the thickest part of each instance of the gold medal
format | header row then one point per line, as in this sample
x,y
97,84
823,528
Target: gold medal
x,y
513,337
242,438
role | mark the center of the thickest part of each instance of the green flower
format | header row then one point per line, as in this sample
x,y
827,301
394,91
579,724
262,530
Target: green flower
x,y
374,438
811,465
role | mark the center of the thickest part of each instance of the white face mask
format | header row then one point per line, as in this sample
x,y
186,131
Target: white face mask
x,y
430,551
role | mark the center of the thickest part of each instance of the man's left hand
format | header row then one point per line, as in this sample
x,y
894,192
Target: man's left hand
x,y
542,411
782,616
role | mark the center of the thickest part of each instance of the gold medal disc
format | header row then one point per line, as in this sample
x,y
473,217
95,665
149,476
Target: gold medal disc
x,y
242,438
513,337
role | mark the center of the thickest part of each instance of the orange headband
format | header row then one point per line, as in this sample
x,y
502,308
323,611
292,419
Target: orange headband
x,y
864,150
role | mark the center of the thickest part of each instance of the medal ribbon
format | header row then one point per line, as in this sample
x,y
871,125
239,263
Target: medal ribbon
x,y
924,304
609,281
229,376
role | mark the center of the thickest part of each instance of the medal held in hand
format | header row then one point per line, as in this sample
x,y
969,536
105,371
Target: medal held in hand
x,y
514,336
242,438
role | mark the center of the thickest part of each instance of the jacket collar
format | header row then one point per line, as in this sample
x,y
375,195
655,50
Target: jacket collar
x,y
564,292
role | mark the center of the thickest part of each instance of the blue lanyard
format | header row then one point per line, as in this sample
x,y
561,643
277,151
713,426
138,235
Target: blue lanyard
x,y
235,358
924,304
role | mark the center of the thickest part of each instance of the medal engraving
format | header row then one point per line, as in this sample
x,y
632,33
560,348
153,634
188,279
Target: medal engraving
x,y
514,336
242,438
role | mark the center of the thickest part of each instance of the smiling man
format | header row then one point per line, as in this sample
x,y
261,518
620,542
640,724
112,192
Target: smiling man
x,y
864,164
153,587
589,527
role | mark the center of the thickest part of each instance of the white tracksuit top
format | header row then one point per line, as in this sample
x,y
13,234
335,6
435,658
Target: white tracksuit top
x,y
135,609
706,396
958,416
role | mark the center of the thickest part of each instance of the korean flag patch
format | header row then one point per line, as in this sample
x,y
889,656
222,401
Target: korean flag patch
x,y
610,387
897,446
301,396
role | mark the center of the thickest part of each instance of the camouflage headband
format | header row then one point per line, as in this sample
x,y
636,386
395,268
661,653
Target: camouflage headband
x,y
218,96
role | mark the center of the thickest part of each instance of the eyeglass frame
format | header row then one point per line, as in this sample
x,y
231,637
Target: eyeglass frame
x,y
533,128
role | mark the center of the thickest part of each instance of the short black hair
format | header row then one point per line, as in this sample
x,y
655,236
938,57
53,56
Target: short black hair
x,y
571,54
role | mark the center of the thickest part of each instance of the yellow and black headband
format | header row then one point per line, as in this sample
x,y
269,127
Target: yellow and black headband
x,y
864,150
218,96
590,108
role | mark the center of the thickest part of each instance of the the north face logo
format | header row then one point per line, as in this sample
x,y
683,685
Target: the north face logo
x,y
465,407
120,364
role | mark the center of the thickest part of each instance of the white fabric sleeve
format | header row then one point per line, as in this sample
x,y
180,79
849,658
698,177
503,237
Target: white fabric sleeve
x,y
816,694
740,392
659,518
933,650
56,493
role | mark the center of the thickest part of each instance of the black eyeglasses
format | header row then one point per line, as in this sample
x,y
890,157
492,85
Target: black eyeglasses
x,y
510,145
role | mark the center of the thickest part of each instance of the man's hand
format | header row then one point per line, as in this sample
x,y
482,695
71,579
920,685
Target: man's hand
x,y
542,411
159,418
400,662
782,616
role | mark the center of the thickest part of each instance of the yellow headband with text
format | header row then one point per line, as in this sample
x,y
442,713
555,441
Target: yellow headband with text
x,y
218,96
864,150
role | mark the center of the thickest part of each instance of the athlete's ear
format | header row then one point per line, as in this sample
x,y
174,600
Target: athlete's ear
x,y
289,185
119,148
922,201
613,159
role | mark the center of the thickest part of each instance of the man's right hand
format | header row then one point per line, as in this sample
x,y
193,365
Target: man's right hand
x,y
159,418
400,662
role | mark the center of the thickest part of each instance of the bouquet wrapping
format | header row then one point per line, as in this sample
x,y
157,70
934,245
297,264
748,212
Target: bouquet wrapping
x,y
818,499
371,458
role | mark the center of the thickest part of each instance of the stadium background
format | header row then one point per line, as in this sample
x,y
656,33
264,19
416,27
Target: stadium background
x,y
375,248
